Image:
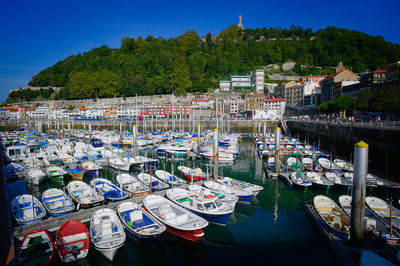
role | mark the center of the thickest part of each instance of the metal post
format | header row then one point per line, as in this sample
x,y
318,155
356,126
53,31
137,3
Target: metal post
x,y
264,136
358,195
134,140
198,138
277,147
215,154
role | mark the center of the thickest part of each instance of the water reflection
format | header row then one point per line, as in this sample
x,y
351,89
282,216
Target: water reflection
x,y
219,235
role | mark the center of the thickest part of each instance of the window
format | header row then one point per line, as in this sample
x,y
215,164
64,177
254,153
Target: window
x,y
209,206
200,206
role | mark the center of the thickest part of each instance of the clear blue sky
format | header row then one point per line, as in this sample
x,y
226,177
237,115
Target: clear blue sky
x,y
37,34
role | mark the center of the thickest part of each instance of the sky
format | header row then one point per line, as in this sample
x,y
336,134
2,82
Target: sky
x,y
36,34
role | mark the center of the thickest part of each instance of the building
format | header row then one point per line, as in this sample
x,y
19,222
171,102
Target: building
x,y
279,90
254,101
275,104
269,88
200,103
249,81
294,94
234,105
331,86
393,76
370,81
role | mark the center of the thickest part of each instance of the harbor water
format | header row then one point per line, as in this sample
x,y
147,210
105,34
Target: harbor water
x,y
274,229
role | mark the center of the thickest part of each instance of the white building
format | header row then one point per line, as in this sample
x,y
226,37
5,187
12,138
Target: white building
x,y
234,105
57,113
275,104
248,81
258,79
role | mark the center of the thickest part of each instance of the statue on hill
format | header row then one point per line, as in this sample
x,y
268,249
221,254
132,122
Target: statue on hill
x,y
240,24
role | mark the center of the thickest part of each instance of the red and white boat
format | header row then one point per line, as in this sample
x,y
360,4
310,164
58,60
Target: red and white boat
x,y
177,219
195,174
72,241
36,248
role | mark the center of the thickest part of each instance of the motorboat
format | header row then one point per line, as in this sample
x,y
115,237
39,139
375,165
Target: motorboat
x,y
36,248
132,185
109,190
84,195
195,174
153,182
169,178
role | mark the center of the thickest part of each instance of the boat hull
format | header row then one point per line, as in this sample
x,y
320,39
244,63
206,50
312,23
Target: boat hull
x,y
195,178
78,176
109,253
193,235
245,199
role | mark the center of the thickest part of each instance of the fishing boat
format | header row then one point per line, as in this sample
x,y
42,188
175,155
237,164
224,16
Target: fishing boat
x,y
36,176
36,248
108,189
372,224
169,178
255,189
133,186
338,180
27,209
244,196
140,224
319,180
84,195
153,182
207,206
193,174
72,241
75,171
328,165
106,232
346,166
381,182
333,217
294,164
300,179
120,164
91,169
228,199
56,202
56,174
383,211
307,163
178,220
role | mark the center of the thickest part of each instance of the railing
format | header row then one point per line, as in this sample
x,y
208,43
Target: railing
x,y
370,124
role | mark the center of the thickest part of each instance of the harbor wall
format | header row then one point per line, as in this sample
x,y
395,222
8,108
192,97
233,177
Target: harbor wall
x,y
384,143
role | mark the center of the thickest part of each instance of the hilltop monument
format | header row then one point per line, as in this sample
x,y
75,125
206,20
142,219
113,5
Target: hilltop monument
x,y
240,24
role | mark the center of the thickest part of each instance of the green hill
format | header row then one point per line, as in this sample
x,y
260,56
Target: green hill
x,y
189,63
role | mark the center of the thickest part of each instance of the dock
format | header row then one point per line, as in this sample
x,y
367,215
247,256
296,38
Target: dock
x,y
52,224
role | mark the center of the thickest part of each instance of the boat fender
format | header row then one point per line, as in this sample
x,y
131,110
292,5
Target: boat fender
x,y
209,196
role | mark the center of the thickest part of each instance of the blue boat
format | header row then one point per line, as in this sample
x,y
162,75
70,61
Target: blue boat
x,y
56,202
139,224
244,197
108,189
27,209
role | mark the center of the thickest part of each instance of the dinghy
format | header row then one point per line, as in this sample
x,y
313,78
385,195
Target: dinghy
x,y
294,164
193,174
207,206
155,184
106,232
255,189
36,176
178,220
72,241
169,178
368,183
56,174
27,209
381,210
56,202
319,180
84,195
140,224
300,179
338,180
75,171
328,165
244,196
36,248
91,169
108,189
120,164
372,224
346,166
307,163
133,186
381,182
228,199
333,217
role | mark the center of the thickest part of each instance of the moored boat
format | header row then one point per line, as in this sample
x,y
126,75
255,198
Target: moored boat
x,y
84,195
169,178
193,174
106,232
383,211
346,166
255,189
328,165
56,202
225,198
109,190
178,220
56,174
319,180
72,241
27,209
153,182
133,186
300,179
36,248
244,196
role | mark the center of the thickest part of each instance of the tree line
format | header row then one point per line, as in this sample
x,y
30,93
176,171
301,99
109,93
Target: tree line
x,y
189,63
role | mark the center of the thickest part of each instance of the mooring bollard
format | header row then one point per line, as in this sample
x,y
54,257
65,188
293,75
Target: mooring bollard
x,y
358,195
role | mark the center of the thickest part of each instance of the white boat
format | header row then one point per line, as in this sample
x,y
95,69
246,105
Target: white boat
x,y
83,194
132,185
368,183
381,210
106,232
207,206
244,196
307,163
228,199
169,178
109,190
55,173
346,166
120,164
328,165
294,164
381,182
319,180
36,176
153,182
27,209
195,174
91,168
222,156
178,220
56,202
300,179
338,180
333,217
255,189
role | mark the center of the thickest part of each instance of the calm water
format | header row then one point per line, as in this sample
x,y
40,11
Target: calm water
x,y
274,229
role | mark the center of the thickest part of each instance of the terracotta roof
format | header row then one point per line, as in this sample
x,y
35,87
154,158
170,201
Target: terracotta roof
x,y
275,100
379,71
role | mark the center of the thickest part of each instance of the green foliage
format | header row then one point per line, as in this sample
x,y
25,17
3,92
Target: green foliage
x,y
190,64
341,103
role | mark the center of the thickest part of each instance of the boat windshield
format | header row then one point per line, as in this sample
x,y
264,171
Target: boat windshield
x,y
218,203
209,206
